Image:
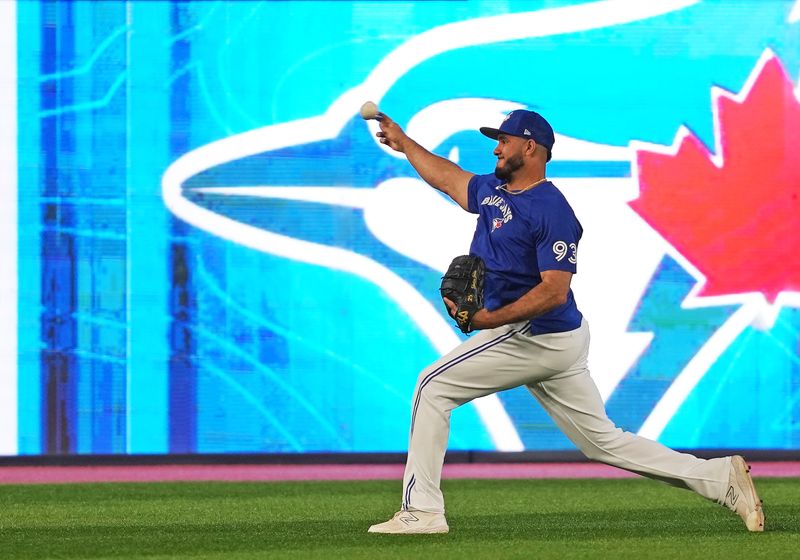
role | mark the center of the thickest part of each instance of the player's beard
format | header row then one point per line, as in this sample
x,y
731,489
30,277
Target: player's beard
x,y
506,173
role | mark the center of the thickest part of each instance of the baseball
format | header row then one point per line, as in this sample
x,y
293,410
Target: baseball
x,y
369,110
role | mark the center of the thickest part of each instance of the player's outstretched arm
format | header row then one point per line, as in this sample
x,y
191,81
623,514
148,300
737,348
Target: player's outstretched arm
x,y
547,295
437,171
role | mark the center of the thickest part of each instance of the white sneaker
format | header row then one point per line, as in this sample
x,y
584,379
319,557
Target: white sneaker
x,y
741,495
413,522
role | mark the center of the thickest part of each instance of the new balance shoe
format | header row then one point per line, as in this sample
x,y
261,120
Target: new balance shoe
x,y
741,496
413,522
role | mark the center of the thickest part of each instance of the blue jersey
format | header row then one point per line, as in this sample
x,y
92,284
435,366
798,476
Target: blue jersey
x,y
519,236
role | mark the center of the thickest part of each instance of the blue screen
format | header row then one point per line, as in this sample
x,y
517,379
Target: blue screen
x,y
208,250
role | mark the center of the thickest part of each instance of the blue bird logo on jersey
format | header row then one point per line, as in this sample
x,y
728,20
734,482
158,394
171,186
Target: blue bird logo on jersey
x,y
497,223
323,191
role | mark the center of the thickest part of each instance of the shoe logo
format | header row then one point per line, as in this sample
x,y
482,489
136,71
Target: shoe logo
x,y
732,496
408,518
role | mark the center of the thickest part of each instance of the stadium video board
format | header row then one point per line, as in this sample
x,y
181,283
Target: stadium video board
x,y
206,249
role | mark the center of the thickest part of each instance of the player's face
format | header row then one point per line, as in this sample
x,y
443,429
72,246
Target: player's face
x,y
509,156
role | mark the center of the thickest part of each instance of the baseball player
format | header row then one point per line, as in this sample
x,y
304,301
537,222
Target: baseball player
x,y
531,332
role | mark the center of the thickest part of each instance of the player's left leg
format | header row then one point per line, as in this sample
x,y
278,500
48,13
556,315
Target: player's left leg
x,y
490,361
458,377
441,387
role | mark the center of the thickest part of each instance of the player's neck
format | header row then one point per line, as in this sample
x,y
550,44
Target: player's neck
x,y
521,184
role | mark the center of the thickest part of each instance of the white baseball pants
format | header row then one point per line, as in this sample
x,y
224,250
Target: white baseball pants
x,y
554,369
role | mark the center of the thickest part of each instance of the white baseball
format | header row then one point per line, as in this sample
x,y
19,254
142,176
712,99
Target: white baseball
x,y
369,110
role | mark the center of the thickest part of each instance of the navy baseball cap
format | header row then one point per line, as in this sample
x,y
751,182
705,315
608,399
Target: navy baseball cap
x,y
525,124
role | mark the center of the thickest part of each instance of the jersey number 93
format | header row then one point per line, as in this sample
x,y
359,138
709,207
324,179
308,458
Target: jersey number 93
x,y
561,249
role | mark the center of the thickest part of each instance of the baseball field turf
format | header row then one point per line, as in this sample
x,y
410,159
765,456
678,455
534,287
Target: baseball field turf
x,y
561,519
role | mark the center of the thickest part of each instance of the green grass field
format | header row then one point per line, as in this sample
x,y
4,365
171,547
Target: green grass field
x,y
561,519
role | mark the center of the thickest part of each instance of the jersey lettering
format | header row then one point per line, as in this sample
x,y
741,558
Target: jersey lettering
x,y
500,203
561,249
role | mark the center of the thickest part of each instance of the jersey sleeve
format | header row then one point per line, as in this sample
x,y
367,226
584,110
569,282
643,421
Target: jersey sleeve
x,y
477,184
557,242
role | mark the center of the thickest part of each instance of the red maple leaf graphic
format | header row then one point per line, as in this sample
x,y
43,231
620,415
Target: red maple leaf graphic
x,y
735,216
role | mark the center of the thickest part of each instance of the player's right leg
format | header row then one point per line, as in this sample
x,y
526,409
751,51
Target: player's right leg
x,y
741,496
575,405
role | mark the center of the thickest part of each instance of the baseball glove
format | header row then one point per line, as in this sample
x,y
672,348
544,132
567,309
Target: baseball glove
x,y
463,285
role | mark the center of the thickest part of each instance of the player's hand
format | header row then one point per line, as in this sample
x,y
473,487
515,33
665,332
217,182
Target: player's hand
x,y
451,306
391,134
481,320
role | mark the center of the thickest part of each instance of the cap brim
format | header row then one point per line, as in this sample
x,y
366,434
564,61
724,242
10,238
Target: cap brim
x,y
493,133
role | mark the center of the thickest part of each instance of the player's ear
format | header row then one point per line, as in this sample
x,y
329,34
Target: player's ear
x,y
530,147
